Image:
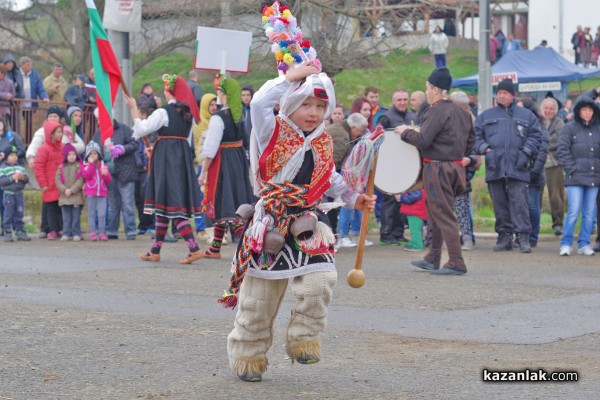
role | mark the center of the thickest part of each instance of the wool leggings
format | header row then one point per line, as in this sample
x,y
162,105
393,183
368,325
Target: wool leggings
x,y
220,227
258,304
183,227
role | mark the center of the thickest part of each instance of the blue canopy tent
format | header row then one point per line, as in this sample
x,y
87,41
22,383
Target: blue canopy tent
x,y
537,65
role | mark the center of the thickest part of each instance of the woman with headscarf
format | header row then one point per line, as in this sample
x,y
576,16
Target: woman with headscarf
x,y
225,167
172,192
208,106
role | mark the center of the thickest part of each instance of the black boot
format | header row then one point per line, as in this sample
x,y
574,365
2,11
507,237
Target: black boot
x,y
504,243
597,246
524,245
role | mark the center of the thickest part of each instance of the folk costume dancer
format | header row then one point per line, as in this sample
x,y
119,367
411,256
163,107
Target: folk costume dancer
x,y
225,167
172,192
446,136
293,157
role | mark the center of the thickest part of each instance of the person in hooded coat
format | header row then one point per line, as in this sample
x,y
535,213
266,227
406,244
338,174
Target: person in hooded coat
x,y
579,153
49,158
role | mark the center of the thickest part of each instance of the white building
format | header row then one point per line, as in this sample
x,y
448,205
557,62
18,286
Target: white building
x,y
557,20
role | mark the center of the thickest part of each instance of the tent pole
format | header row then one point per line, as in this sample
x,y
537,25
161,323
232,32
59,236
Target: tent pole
x,y
485,74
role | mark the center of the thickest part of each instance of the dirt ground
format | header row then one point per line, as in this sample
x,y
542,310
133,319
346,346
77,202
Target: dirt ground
x,y
90,321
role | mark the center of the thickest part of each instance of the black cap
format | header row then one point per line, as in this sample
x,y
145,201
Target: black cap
x,y
507,85
441,78
54,110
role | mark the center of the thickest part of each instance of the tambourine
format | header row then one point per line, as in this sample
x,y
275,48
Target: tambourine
x,y
398,165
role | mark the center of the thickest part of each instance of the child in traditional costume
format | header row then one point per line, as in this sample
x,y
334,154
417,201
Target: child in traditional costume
x,y
172,192
288,240
225,167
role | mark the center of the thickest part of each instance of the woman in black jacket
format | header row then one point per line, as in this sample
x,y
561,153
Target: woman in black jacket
x,y
579,153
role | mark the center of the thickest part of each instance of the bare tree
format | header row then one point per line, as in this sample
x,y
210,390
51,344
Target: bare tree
x,y
346,33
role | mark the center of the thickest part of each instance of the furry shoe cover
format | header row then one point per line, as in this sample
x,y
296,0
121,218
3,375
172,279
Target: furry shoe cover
x,y
305,352
249,366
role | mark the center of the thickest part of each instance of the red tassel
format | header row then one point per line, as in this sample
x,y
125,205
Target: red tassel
x,y
228,301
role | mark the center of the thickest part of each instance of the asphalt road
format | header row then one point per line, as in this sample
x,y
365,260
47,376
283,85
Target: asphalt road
x,y
90,321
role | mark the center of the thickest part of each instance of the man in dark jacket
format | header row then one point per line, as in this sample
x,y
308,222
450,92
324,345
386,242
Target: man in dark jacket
x,y
120,155
392,220
32,88
446,136
509,136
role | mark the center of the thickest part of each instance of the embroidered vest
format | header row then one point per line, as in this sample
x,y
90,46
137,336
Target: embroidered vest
x,y
284,143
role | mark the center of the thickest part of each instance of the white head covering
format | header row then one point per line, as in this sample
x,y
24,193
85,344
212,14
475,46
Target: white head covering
x,y
319,86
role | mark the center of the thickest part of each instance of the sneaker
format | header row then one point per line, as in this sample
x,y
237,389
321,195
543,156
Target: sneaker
x,y
43,235
22,237
8,238
467,243
410,247
368,243
77,238
585,251
93,236
251,377
169,239
565,250
64,239
52,236
389,242
103,237
131,237
110,237
346,242
308,359
558,231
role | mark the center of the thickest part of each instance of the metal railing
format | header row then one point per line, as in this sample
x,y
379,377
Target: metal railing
x,y
27,116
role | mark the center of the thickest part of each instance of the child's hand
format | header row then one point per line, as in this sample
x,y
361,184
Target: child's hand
x,y
17,176
466,161
104,170
92,158
43,189
300,72
148,151
68,192
364,202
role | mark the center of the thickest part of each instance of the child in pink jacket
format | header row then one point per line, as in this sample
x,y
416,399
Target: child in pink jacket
x,y
96,176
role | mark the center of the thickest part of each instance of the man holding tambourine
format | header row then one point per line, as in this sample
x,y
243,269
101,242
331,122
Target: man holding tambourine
x,y
443,145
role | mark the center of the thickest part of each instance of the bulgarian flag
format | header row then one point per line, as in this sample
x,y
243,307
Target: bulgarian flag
x,y
106,69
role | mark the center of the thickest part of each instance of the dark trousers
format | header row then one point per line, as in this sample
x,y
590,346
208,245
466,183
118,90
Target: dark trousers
x,y
443,181
146,220
28,117
53,216
392,221
510,199
555,180
45,227
2,213
14,206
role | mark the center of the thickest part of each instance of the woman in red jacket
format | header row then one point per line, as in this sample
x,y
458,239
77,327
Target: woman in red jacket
x,y
48,160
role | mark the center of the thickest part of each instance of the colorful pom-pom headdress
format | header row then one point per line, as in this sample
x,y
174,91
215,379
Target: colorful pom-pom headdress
x,y
289,46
